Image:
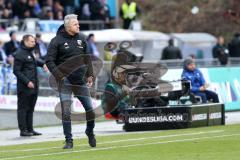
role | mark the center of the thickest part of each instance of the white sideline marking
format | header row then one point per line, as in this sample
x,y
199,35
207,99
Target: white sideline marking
x,y
124,140
126,146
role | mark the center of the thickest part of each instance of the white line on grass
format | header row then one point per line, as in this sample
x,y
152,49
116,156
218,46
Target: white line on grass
x,y
125,146
124,140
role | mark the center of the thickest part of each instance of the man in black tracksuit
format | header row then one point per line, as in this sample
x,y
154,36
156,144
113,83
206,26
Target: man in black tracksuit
x,y
68,62
25,69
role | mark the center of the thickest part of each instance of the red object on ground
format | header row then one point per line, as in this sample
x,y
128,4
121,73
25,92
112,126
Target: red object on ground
x,y
109,116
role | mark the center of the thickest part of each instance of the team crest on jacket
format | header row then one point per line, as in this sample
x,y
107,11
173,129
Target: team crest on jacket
x,y
79,42
66,45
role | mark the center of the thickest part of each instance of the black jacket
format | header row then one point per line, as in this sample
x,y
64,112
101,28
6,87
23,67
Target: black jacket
x,y
10,48
220,52
25,69
234,47
171,52
66,54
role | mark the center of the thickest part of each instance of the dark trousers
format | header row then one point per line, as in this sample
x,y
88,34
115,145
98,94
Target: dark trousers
x,y
82,93
126,23
26,104
207,95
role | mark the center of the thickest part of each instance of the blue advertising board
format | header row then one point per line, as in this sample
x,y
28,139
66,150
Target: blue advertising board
x,y
226,82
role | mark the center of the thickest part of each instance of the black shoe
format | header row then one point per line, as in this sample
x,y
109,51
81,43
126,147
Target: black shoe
x,y
91,139
25,134
68,144
35,133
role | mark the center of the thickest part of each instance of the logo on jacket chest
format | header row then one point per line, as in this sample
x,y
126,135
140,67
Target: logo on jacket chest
x,y
79,43
66,46
29,58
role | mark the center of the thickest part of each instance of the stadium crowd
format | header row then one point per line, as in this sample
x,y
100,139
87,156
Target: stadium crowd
x,y
52,10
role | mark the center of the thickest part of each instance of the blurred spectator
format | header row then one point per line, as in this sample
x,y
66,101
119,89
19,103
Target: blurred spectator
x,y
68,6
48,15
171,52
2,22
3,56
109,51
34,8
105,12
6,16
128,12
85,14
234,46
57,7
2,5
27,14
193,56
96,8
41,47
59,15
54,9
45,11
220,51
10,60
9,5
11,46
46,5
92,47
19,8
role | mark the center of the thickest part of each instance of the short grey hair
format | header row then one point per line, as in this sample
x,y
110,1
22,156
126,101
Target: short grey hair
x,y
68,18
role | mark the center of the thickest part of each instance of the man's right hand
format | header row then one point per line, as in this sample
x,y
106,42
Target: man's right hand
x,y
30,85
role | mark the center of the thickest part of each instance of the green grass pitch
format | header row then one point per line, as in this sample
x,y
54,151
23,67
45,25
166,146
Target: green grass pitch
x,y
207,143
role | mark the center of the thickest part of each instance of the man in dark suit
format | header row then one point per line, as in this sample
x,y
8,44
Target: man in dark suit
x,y
25,69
